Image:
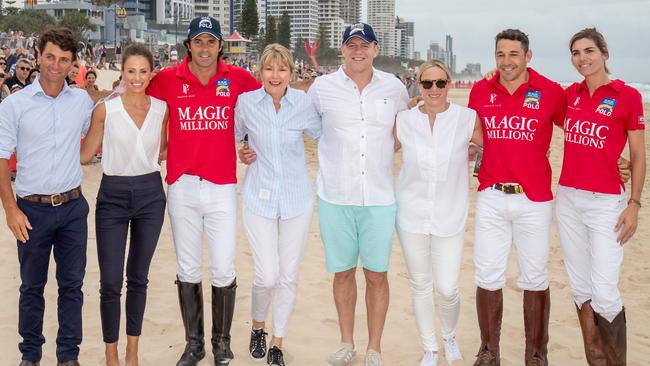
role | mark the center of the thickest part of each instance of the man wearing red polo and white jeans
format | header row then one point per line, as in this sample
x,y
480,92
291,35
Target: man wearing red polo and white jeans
x,y
517,109
201,93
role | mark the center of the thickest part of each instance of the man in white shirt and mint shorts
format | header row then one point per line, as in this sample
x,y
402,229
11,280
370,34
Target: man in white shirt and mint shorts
x,y
356,201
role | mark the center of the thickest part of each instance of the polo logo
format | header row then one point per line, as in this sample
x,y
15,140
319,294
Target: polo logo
x,y
223,88
356,28
606,107
641,120
575,103
186,88
493,98
205,22
532,99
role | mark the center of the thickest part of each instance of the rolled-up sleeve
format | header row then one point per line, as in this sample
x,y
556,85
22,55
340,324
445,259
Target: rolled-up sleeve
x,y
8,128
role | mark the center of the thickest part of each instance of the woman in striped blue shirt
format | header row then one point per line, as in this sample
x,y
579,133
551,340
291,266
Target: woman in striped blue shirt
x,y
277,194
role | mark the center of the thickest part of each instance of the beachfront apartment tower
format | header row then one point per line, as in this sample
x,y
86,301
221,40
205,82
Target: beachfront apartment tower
x,y
381,16
237,7
350,11
404,38
331,22
303,14
218,9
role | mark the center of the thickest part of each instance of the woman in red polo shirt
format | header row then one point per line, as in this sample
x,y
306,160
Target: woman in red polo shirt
x,y
595,218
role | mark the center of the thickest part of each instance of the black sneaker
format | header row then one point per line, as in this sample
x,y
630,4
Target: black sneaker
x,y
257,347
275,357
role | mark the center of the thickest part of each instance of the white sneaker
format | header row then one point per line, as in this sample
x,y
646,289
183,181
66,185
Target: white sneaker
x,y
452,351
343,355
373,358
430,358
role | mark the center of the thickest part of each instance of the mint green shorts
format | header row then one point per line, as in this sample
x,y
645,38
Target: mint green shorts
x,y
353,232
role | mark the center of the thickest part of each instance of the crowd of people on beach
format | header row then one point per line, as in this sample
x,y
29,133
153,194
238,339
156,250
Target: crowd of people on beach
x,y
192,115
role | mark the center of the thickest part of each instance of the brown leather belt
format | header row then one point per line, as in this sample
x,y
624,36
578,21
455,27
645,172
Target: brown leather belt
x,y
54,199
508,188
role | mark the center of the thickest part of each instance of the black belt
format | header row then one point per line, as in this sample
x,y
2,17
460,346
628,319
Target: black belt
x,y
56,199
508,188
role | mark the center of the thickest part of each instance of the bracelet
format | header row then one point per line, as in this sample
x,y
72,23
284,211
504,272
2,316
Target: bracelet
x,y
632,200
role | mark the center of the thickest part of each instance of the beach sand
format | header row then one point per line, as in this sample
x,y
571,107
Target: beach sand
x,y
313,331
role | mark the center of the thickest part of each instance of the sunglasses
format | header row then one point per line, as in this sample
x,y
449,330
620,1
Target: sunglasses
x,y
25,68
3,63
428,84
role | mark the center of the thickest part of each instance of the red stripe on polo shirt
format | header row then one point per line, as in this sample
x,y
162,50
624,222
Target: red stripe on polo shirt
x,y
201,137
517,131
595,133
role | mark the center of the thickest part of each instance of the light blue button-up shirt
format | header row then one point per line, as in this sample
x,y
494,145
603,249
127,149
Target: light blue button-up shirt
x,y
277,185
46,134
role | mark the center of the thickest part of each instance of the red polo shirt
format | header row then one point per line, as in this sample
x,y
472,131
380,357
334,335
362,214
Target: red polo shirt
x,y
517,132
201,137
595,133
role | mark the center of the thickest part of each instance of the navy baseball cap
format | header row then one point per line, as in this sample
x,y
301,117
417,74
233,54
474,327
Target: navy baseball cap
x,y
361,30
204,25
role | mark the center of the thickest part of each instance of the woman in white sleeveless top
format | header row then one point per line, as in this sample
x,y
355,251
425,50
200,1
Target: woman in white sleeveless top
x,y
432,203
131,130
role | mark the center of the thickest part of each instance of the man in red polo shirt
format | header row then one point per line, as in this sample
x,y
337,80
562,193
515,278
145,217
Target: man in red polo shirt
x,y
201,93
517,108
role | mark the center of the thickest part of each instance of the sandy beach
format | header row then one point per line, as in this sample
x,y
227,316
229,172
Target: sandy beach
x,y
313,331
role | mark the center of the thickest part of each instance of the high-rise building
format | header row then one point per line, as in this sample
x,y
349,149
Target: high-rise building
x,y
381,16
143,7
179,11
218,9
303,14
435,52
330,21
350,11
404,38
450,57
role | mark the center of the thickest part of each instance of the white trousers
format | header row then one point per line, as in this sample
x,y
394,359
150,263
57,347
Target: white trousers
x,y
195,207
277,247
433,262
501,220
592,255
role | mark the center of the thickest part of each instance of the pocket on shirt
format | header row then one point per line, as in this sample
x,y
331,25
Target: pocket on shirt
x,y
385,111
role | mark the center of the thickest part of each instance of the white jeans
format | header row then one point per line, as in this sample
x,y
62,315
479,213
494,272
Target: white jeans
x,y
196,206
502,219
592,255
433,261
277,247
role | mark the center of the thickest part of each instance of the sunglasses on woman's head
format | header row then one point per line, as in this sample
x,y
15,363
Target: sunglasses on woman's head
x,y
428,84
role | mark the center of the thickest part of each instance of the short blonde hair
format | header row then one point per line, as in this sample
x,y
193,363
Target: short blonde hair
x,y
276,52
433,63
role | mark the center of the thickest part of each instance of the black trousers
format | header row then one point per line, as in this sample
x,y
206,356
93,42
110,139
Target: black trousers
x,y
138,202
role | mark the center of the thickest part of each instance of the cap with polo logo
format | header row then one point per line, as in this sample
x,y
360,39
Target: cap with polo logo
x,y
361,30
204,25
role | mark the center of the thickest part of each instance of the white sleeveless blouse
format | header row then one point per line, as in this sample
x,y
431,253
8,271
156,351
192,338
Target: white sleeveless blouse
x,y
128,150
433,182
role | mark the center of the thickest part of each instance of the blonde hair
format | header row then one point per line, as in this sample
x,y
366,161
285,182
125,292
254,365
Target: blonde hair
x,y
433,63
276,52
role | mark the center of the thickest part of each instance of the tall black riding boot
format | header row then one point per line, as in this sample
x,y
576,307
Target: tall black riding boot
x,y
190,298
223,309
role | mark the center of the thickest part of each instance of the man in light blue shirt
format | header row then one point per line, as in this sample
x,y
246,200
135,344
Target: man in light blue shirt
x,y
44,124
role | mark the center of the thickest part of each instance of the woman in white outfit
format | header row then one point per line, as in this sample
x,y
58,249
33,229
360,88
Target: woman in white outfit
x,y
277,195
131,200
595,218
432,203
